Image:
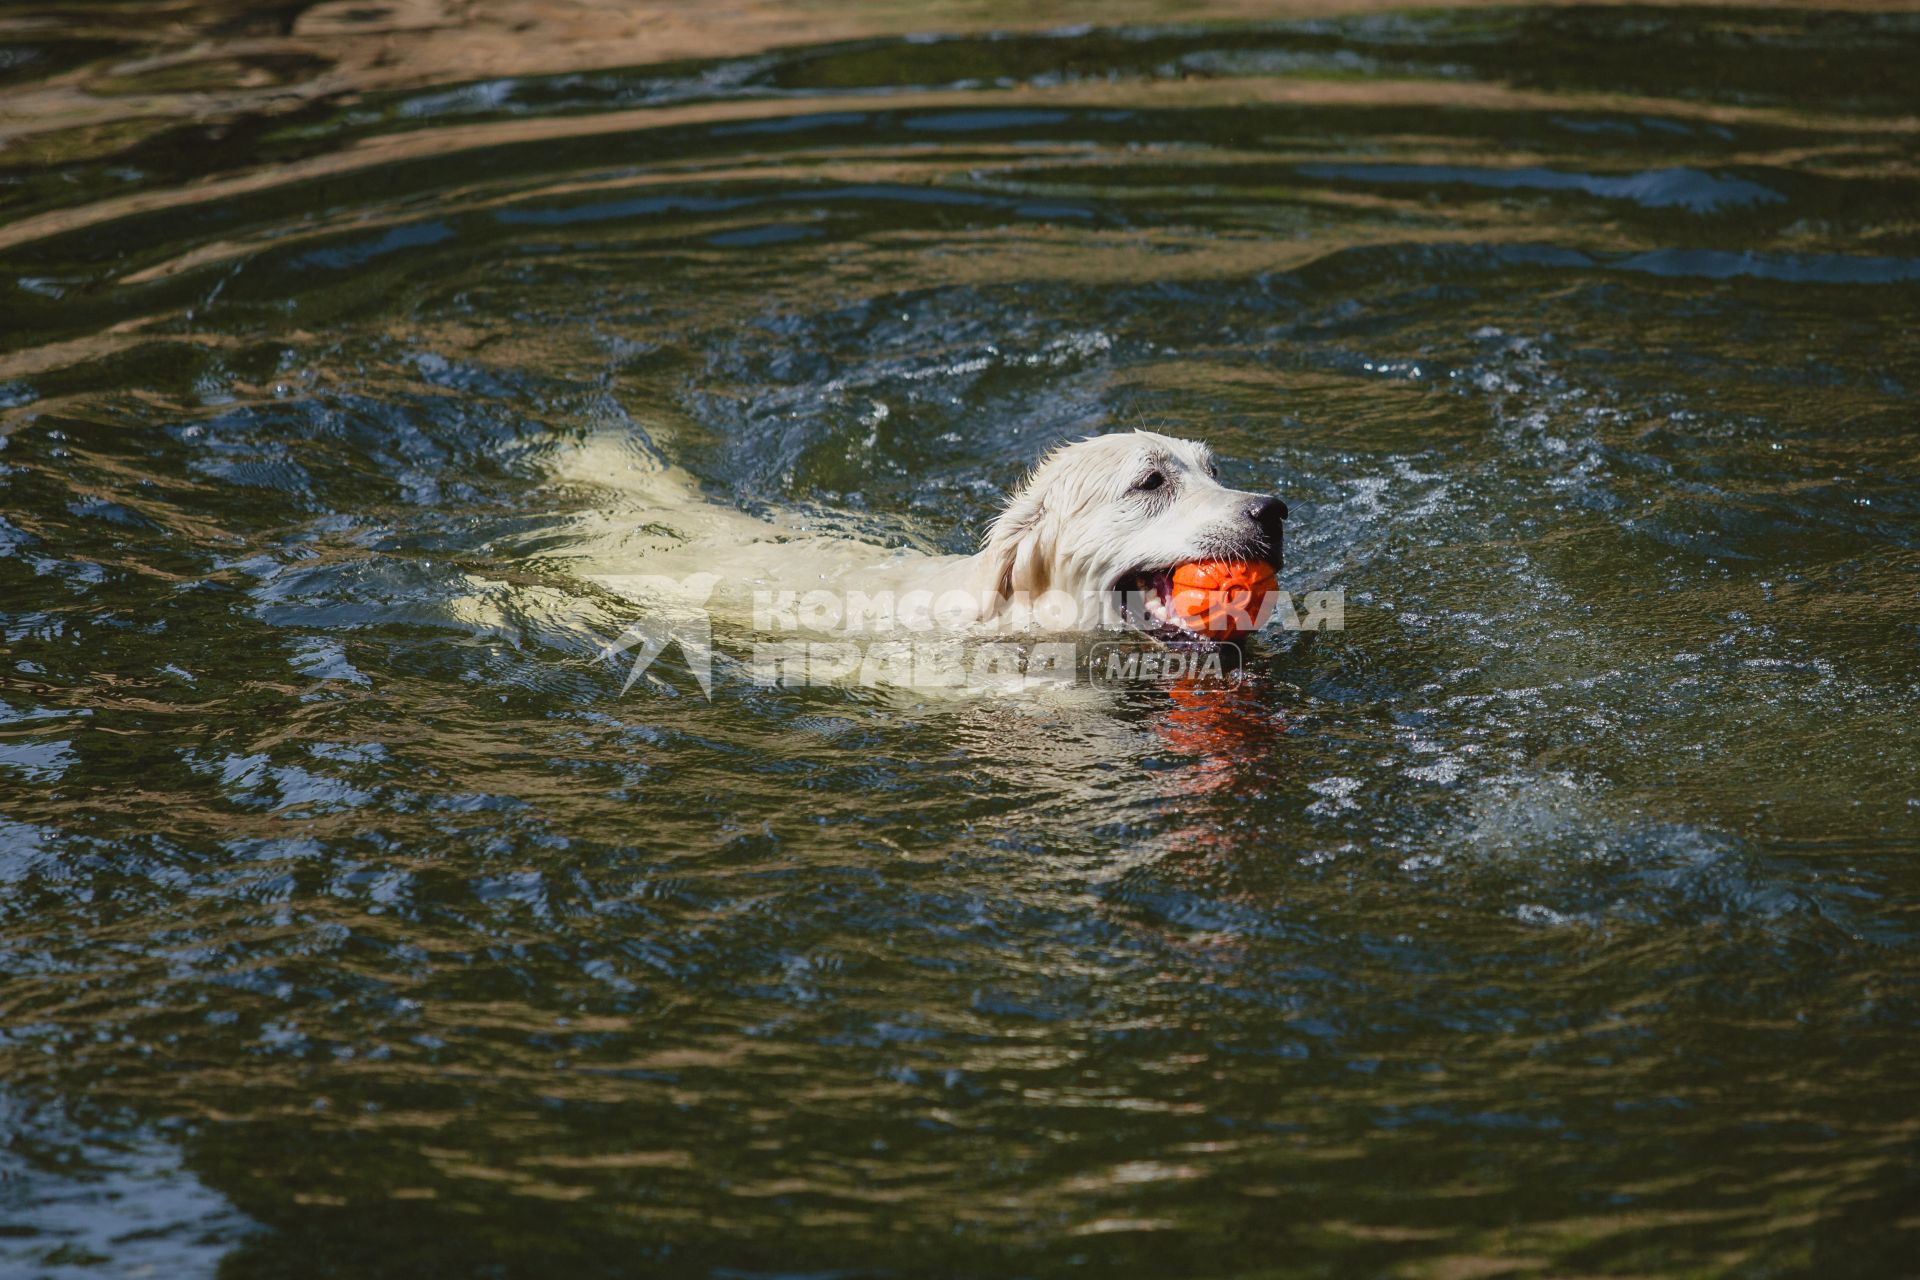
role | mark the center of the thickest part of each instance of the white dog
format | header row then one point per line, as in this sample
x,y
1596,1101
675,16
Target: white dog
x,y
1088,541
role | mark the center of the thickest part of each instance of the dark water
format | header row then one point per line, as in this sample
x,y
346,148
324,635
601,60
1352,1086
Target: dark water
x,y
1560,916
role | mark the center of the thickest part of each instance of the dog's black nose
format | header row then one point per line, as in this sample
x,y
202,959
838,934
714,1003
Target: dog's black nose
x,y
1269,513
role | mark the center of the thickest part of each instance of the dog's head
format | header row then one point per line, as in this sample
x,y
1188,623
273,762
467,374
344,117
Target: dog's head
x,y
1107,520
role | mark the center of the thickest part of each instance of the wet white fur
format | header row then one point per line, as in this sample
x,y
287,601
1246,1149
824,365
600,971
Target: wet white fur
x,y
1076,526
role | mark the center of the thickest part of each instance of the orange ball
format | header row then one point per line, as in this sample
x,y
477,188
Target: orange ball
x,y
1223,598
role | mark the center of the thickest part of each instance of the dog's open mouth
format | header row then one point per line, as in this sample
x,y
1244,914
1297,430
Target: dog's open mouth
x,y
1146,602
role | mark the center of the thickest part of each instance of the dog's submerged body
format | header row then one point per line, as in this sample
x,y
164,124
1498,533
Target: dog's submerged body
x,y
1089,541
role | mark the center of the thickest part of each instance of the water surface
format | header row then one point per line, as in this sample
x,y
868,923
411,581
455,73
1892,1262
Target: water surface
x,y
1560,916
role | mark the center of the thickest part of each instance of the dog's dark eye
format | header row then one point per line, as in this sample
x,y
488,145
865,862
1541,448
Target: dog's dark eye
x,y
1153,480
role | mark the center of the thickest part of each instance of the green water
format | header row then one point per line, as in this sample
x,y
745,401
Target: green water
x,y
1560,916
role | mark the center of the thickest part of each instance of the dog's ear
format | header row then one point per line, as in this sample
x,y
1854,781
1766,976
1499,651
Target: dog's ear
x,y
1017,559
